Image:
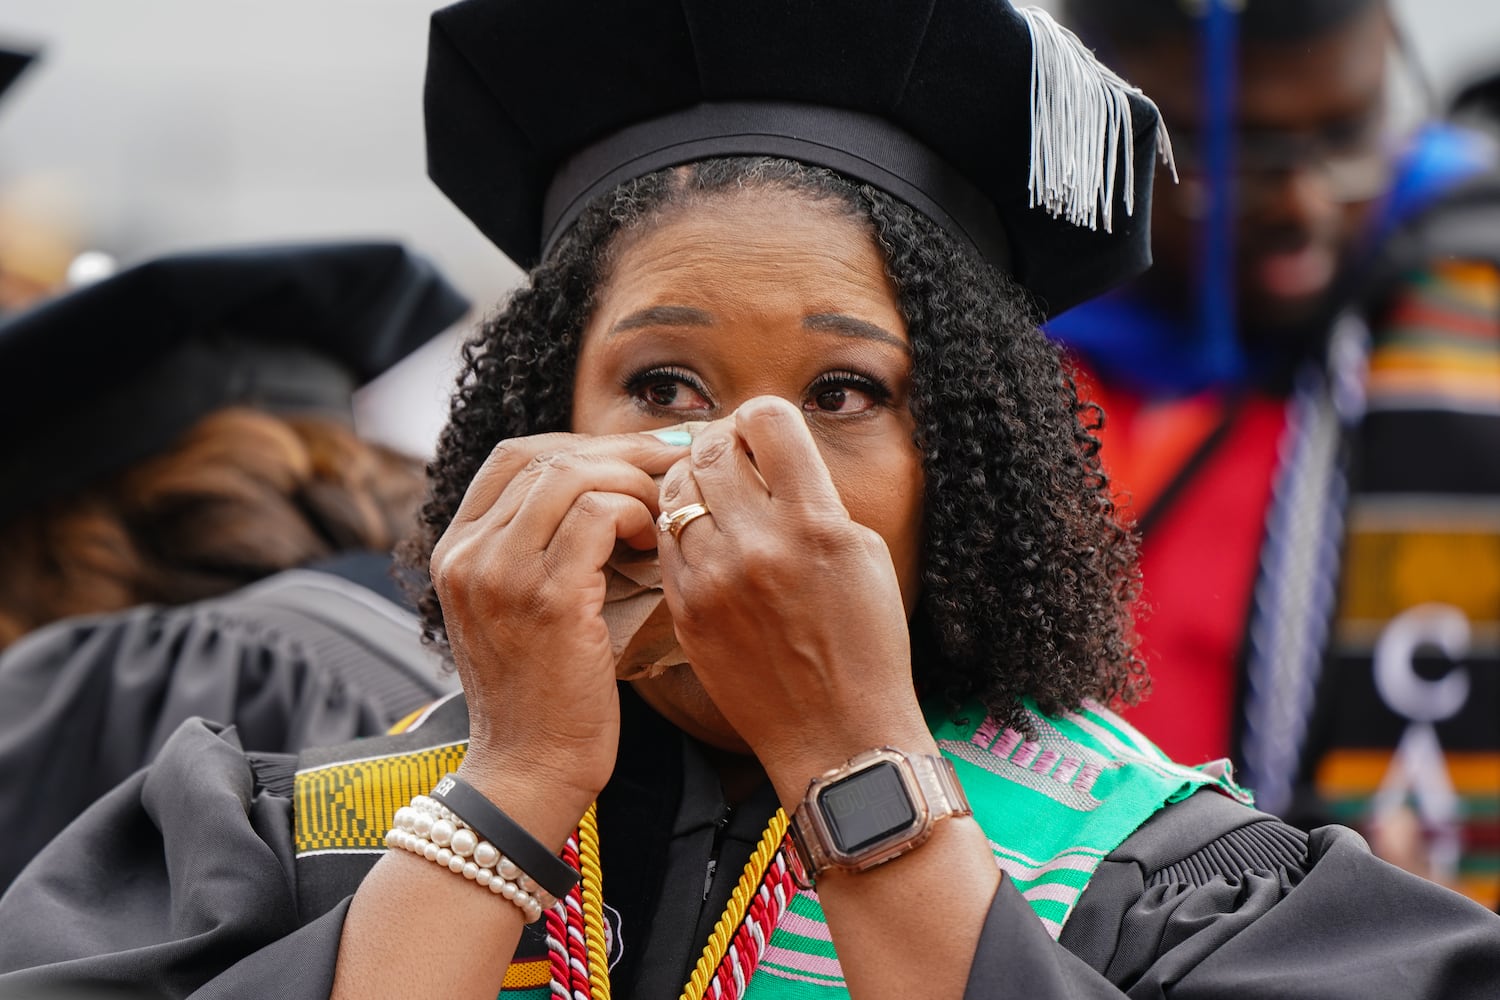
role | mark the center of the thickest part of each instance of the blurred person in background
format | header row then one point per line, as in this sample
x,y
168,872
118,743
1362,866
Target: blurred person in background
x,y
1304,407
181,469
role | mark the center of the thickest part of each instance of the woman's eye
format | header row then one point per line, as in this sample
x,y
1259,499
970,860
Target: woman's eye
x,y
669,390
844,394
662,393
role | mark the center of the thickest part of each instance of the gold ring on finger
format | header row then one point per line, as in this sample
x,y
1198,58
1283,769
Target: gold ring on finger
x,y
678,519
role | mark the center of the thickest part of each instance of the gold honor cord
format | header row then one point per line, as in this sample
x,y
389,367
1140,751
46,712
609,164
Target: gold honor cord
x,y
593,903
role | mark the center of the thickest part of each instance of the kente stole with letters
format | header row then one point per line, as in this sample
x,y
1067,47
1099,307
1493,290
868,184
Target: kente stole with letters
x,y
1410,684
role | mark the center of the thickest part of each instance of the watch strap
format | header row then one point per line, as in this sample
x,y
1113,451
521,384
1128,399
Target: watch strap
x,y
939,781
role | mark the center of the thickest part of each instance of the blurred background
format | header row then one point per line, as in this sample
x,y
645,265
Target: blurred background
x,y
156,125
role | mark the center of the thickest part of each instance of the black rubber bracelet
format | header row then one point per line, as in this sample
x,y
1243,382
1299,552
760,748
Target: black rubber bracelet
x,y
545,868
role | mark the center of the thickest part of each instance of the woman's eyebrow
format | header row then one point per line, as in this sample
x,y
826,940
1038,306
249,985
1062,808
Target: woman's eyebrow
x,y
663,316
848,326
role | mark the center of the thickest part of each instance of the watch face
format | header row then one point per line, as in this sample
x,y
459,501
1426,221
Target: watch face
x,y
866,808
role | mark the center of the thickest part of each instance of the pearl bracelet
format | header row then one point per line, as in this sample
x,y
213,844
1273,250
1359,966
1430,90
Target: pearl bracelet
x,y
431,830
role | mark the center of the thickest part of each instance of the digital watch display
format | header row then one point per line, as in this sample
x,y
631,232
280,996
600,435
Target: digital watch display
x,y
876,807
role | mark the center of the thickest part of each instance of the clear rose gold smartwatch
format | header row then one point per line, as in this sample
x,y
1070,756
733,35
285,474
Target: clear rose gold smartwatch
x,y
876,807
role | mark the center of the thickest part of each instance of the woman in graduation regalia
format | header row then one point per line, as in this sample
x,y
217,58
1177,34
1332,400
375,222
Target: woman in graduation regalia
x,y
777,332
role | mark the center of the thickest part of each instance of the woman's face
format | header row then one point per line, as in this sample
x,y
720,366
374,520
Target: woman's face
x,y
761,292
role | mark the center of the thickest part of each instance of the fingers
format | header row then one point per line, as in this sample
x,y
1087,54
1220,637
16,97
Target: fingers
x,y
720,473
526,459
678,490
760,463
501,578
593,524
552,485
788,460
526,489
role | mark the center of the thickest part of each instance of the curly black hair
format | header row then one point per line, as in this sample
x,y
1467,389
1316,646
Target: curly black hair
x,y
1028,575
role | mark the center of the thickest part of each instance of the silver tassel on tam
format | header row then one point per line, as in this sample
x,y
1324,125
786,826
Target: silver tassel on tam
x,y
1080,119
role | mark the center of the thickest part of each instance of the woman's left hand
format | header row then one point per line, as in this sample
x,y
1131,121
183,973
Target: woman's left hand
x,y
790,612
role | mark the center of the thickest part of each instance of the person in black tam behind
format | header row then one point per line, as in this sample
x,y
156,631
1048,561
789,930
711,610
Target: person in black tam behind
x,y
780,330
181,445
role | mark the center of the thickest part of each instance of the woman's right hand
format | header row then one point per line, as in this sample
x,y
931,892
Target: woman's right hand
x,y
520,574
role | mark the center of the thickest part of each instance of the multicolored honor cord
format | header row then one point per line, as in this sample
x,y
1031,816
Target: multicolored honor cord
x,y
579,952
576,944
743,930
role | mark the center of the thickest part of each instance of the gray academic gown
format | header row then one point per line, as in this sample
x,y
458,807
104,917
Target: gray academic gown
x,y
183,882
303,658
